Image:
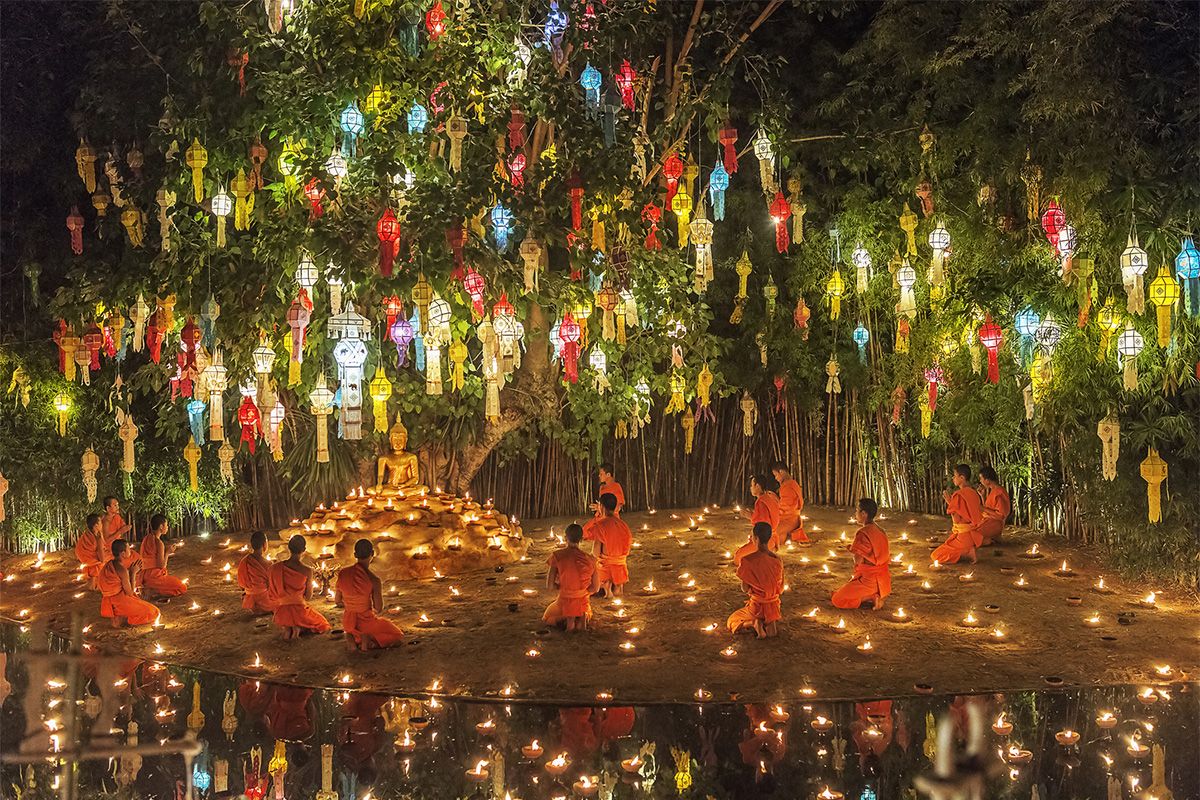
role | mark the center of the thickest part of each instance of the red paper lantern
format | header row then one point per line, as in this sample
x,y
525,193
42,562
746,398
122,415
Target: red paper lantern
x,y
575,187
250,419
474,284
516,169
991,336
315,194
934,376
780,211
672,170
728,138
503,308
456,236
652,215
625,78
75,226
93,340
392,308
1053,221
189,340
435,20
568,332
388,231
155,333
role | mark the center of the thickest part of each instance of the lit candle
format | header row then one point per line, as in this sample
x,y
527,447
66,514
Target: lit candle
x,y
1150,600
1093,621
532,750
1106,720
970,620
829,794
1002,727
585,786
811,616
702,694
1015,755
632,764
478,773
1136,749
866,648
1067,737
821,724
533,652
900,615
486,728
926,586
997,633
967,577
1064,571
729,652
778,714
627,647
1164,670
1021,583
1101,587
649,588
1147,696
558,765
406,745
840,627
709,628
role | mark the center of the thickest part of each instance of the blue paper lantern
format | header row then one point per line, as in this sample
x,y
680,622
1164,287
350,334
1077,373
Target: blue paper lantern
x,y
718,182
591,80
1027,322
861,337
195,412
555,26
201,779
501,226
352,125
1187,270
418,118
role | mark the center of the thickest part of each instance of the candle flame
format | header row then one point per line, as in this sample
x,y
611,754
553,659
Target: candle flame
x,y
900,613
1100,583
1150,598
479,765
257,661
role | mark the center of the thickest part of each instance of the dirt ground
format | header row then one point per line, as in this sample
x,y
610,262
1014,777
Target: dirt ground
x,y
478,645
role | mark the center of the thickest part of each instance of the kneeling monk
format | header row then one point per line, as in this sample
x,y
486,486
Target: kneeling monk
x,y
117,600
762,579
966,512
154,561
613,542
995,509
290,583
89,548
871,581
253,575
361,594
573,572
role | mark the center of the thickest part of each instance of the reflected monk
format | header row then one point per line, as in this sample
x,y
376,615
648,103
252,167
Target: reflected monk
x,y
762,579
613,540
766,506
966,512
573,572
253,575
872,580
995,509
791,503
154,561
361,594
118,601
609,485
115,526
89,548
290,585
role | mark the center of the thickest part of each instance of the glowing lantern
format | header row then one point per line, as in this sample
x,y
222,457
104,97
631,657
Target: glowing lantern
x,y
456,132
1066,246
376,98
672,171
435,20
1187,270
575,190
337,167
418,118
554,27
222,205
652,215
743,267
191,454
991,336
250,419
516,168
263,358
216,379
598,361
1154,471
861,337
196,158
422,295
195,412
350,329
62,409
243,191
1164,293
727,135
278,414
607,298
933,376
388,231
765,153
1053,221
780,211
298,316
718,182
906,278
352,122
590,79
401,334
1048,334
1129,346
322,406
439,318
531,257
1134,263
939,240
475,285
75,226
502,223
381,392
835,287
127,432
306,278
625,78
568,332
334,283
1109,320
862,267
908,224
1027,322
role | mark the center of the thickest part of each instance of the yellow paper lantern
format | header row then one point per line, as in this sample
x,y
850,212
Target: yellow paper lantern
x,y
1154,472
381,391
62,409
835,287
196,158
1164,294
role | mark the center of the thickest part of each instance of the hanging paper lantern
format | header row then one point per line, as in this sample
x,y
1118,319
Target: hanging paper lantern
x,y
1153,471
862,268
1134,263
1129,346
418,118
196,157
502,222
350,353
906,278
780,211
681,204
575,189
306,277
435,20
222,205
250,419
765,153
1187,270
652,215
516,168
991,336
672,170
718,182
933,376
1164,293
456,132
62,409
861,337
75,226
1048,334
263,358
1109,320
322,406
381,392
625,78
591,79
835,287
388,231
334,284
191,454
598,361
195,412
770,295
352,122
336,166
298,316
314,192
1053,221
216,379
439,318
727,136
568,333
939,240
1027,322
475,285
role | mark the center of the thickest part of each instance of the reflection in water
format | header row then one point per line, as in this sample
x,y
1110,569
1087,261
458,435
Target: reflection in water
x,y
270,741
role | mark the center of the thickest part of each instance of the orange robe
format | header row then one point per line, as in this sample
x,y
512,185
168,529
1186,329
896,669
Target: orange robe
x,y
995,511
791,503
614,488
766,509
763,573
114,602
292,610
358,619
112,522
154,575
615,540
253,577
575,569
85,551
871,575
966,511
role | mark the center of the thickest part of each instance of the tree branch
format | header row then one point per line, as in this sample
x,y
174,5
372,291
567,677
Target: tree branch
x,y
677,68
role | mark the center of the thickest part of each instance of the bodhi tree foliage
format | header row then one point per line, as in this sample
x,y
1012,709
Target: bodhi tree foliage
x,y
552,159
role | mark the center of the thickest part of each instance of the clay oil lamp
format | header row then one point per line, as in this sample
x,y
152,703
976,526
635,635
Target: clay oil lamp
x,y
1022,583
1002,727
1149,601
1100,587
650,589
1016,755
1106,720
692,524
967,577
1093,621
586,786
811,616
779,715
840,626
690,599
533,652
830,794
486,728
970,620
529,592
702,694
627,648
900,615
1064,570
1033,552
909,570
729,652
709,628
633,630
1164,671
1147,696
632,765
256,667
604,696
866,648
825,569
808,691
1067,737
1136,749
820,723
926,586
558,765
997,634
407,744
346,680
456,595
508,691
533,750
477,773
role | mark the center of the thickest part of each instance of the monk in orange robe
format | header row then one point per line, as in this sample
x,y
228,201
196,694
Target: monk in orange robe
x,y
89,548
154,561
360,592
791,503
290,584
996,508
613,541
114,525
574,573
253,575
609,485
966,512
871,580
766,507
117,599
762,580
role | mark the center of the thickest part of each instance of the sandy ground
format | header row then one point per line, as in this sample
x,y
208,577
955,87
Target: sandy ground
x,y
478,645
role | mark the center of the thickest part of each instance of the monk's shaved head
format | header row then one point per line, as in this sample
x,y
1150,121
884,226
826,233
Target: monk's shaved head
x,y
297,545
989,474
964,470
93,520
258,540
762,532
575,531
363,548
869,507
609,502
118,547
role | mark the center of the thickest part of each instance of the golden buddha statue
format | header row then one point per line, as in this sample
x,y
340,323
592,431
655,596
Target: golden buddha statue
x,y
398,470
